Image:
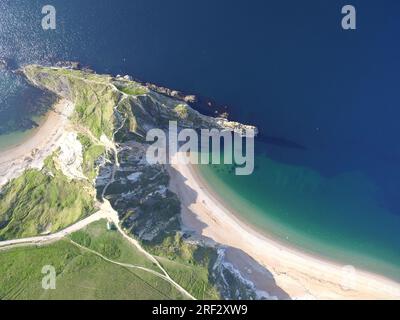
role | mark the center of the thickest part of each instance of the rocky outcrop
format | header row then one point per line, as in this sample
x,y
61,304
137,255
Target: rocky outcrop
x,y
140,195
3,64
117,113
171,93
68,65
143,109
70,156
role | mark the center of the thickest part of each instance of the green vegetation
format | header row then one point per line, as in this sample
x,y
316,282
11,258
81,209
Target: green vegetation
x,y
131,88
91,153
42,201
111,245
80,273
94,95
182,111
189,264
151,214
94,107
96,98
194,278
131,123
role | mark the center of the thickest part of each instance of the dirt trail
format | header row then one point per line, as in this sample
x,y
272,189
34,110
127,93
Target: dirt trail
x,y
106,212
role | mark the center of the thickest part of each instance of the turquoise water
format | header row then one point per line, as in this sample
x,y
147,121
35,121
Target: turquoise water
x,y
337,218
16,137
22,108
12,139
326,101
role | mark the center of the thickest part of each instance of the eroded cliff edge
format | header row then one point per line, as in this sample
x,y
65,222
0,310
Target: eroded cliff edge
x,y
103,154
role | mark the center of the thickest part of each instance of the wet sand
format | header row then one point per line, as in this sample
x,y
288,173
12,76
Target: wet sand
x,y
31,153
299,275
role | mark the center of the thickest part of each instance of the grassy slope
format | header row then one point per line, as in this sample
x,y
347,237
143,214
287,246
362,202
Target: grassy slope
x,y
111,245
91,153
81,274
194,278
37,202
95,98
130,87
189,264
40,201
93,95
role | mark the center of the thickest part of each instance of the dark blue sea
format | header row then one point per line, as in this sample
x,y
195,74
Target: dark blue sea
x,y
326,101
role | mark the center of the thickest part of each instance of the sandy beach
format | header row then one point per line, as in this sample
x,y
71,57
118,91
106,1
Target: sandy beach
x,y
278,269
32,152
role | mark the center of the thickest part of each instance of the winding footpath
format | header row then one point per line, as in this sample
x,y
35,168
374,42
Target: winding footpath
x,y
40,240
106,212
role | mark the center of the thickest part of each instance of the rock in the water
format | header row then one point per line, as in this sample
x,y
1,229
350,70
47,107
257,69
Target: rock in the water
x,y
69,65
190,99
3,64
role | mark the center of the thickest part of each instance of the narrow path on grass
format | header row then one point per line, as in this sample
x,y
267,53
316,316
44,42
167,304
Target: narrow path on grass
x,y
55,236
113,216
132,266
106,212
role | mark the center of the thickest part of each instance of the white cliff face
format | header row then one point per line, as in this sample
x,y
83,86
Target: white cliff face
x,y
70,156
134,177
108,144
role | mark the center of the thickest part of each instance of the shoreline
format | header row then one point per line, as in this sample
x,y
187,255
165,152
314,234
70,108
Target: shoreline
x,y
299,274
275,268
266,231
25,135
32,151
